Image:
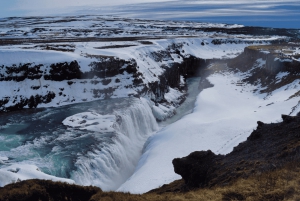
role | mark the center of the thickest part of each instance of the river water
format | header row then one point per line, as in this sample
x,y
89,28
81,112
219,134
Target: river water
x,y
102,158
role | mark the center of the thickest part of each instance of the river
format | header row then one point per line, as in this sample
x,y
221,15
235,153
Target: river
x,y
88,156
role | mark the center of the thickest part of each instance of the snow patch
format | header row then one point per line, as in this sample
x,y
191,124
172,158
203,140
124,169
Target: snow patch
x,y
283,60
20,172
91,121
280,75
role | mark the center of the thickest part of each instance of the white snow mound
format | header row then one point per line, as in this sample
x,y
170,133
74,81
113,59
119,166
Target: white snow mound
x,y
18,172
91,121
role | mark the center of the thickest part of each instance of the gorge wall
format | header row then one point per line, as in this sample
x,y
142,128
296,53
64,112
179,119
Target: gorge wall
x,y
31,85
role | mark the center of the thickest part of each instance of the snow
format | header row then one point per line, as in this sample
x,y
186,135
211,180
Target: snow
x,y
283,60
98,26
20,172
2,158
260,63
9,57
265,52
91,121
224,116
281,75
162,112
173,94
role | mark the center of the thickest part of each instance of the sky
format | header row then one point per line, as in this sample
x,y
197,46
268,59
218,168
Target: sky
x,y
270,13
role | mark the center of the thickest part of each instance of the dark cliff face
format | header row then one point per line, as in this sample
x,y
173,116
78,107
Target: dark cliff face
x,y
274,63
190,67
196,168
107,69
269,147
57,72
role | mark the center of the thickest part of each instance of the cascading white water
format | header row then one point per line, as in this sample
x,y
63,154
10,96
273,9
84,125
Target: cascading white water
x,y
111,163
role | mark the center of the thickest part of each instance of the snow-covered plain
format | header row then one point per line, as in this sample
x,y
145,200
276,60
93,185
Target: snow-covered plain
x,y
82,26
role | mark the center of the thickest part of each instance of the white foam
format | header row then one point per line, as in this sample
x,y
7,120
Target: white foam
x,y
109,164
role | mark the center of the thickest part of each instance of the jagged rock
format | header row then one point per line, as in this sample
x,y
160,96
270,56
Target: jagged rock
x,y
260,124
195,167
287,118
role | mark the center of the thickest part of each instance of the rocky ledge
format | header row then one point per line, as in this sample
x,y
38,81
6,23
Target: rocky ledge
x,y
269,147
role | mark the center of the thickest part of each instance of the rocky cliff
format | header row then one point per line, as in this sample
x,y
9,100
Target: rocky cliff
x,y
272,66
104,78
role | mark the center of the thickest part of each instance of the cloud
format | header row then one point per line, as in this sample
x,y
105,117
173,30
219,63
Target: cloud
x,y
231,11
50,4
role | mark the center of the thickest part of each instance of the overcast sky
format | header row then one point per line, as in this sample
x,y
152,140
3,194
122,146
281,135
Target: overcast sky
x,y
273,13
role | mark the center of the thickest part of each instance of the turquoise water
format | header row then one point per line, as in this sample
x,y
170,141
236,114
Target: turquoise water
x,y
104,159
39,137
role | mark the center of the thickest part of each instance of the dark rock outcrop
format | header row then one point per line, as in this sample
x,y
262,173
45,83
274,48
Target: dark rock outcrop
x,y
265,75
269,147
110,66
274,65
190,67
195,168
64,71
21,72
31,102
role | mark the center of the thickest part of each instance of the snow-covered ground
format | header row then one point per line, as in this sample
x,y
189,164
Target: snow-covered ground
x,y
224,116
15,173
82,26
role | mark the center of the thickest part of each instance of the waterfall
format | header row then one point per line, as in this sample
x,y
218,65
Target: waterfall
x,y
110,163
